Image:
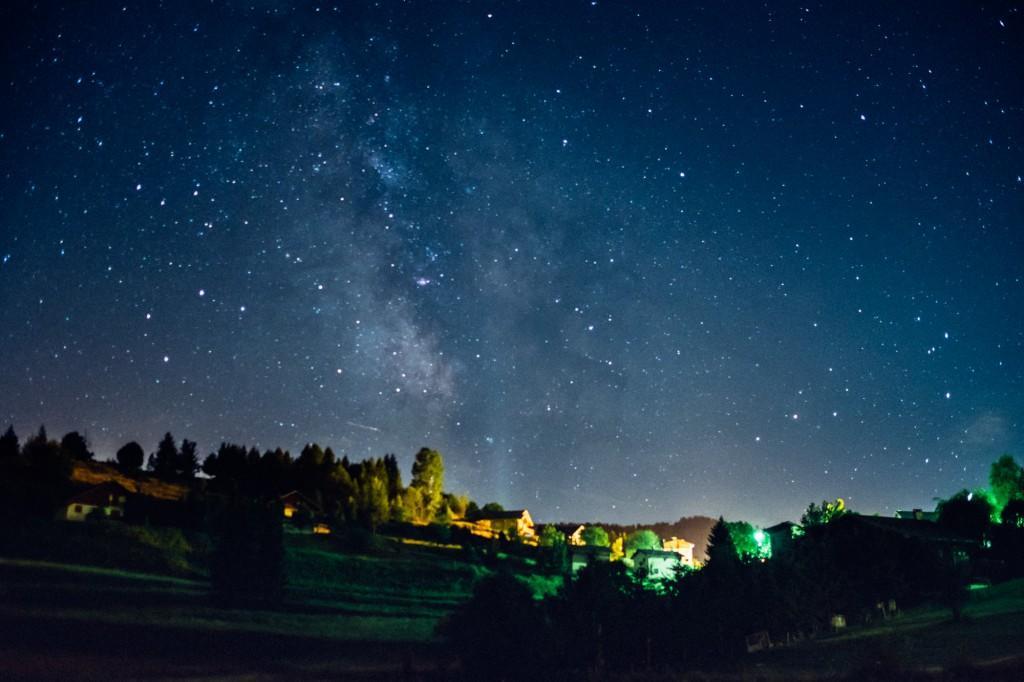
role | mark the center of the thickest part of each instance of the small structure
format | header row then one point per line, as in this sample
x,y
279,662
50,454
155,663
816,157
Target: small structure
x,y
107,499
321,528
515,524
584,555
657,564
293,502
918,515
576,537
681,547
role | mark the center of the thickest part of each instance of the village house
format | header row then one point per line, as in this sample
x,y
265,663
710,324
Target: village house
x,y
576,537
781,535
514,524
294,502
657,564
107,499
584,555
682,547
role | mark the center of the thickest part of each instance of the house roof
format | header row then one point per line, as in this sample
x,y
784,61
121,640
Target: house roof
x,y
781,527
295,497
656,553
927,531
100,495
498,515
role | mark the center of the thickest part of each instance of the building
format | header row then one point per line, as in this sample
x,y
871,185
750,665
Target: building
x,y
682,547
576,537
657,564
781,535
107,499
294,502
584,555
514,524
918,515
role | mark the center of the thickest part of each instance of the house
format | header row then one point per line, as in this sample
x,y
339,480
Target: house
x,y
681,547
657,564
781,535
107,499
584,555
294,502
576,537
513,524
947,543
918,515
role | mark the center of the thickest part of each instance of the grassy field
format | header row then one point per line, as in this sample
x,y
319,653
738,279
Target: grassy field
x,y
987,644
137,599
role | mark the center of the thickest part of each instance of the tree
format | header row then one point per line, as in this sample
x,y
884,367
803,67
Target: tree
x,y
9,447
641,539
131,456
76,446
492,507
188,459
1013,514
1006,481
428,478
372,497
721,549
596,536
551,537
966,513
816,516
394,477
164,462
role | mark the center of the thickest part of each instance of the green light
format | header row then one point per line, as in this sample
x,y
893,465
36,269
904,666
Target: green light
x,y
759,536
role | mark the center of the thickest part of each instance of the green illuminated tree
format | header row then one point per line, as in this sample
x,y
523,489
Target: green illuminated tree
x,y
641,539
551,537
1006,481
596,536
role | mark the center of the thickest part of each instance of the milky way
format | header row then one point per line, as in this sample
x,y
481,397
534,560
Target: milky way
x,y
615,261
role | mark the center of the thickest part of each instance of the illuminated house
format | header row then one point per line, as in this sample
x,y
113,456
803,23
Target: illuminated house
x,y
681,547
109,498
657,564
576,537
294,502
583,555
514,524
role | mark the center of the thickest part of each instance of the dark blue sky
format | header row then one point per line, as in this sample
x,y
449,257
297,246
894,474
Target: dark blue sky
x,y
617,261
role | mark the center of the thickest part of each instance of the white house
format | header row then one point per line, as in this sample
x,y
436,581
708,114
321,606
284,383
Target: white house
x,y
109,498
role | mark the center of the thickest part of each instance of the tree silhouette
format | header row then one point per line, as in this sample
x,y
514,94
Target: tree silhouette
x,y
76,446
131,456
9,447
164,462
188,460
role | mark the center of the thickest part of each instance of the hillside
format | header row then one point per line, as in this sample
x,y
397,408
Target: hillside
x,y
86,474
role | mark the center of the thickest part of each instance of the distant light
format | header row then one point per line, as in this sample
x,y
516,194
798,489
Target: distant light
x,y
202,292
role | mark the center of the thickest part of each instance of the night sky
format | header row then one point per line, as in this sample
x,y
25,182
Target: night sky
x,y
616,261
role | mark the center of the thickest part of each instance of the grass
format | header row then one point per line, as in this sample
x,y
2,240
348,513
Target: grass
x,y
923,640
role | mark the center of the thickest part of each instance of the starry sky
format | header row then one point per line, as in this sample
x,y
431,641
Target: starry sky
x,y
616,261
